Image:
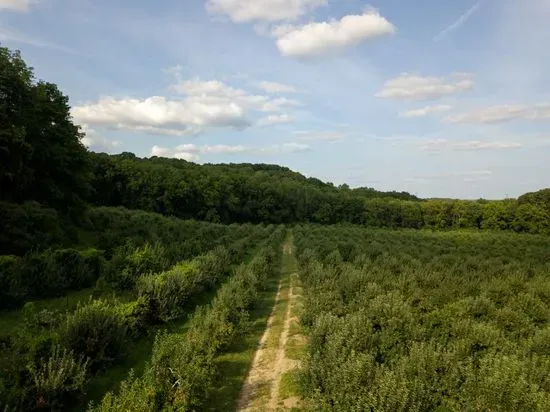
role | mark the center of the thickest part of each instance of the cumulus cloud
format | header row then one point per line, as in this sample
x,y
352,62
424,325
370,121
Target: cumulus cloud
x,y
242,11
425,111
273,87
15,5
315,39
415,87
503,113
181,152
157,112
192,152
472,145
97,143
275,119
205,104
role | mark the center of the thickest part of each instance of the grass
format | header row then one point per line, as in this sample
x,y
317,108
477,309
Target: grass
x,y
11,320
235,363
290,385
296,344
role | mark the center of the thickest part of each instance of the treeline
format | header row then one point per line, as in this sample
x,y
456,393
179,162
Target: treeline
x,y
523,215
263,193
47,177
225,193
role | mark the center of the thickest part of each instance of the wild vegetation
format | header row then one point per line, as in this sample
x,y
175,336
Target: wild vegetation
x,y
100,253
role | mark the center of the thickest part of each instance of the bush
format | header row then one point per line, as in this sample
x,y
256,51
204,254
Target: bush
x,y
135,394
12,288
167,293
66,269
29,226
56,378
95,261
129,263
97,330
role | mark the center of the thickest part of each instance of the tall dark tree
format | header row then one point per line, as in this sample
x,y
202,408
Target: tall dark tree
x,y
42,157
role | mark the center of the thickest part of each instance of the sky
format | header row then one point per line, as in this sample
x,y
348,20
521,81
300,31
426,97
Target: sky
x,y
437,98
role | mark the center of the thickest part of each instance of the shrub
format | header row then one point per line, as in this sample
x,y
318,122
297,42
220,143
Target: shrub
x,y
56,378
135,394
12,288
95,261
29,226
129,263
167,293
66,269
97,330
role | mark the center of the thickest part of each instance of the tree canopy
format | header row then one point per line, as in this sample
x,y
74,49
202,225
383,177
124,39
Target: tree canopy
x,y
41,154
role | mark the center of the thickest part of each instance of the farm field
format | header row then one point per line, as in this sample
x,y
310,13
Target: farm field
x,y
161,281
419,321
305,318
66,346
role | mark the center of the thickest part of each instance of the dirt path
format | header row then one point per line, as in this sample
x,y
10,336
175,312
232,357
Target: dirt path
x,y
262,390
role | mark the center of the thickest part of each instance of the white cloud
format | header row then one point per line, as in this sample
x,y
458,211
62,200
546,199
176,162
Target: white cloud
x,y
223,149
415,87
97,143
15,5
319,38
214,92
180,152
192,152
206,104
472,145
459,22
272,87
320,136
425,111
275,119
155,113
242,11
503,113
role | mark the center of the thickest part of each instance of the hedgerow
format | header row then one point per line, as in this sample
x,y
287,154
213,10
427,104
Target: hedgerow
x,y
183,367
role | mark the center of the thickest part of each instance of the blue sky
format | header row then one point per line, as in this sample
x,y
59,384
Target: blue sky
x,y
436,98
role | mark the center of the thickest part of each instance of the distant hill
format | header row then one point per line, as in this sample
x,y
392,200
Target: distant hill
x,y
225,192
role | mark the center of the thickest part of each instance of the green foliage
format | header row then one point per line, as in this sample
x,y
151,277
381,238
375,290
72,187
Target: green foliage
x,y
57,377
12,288
98,330
135,394
424,321
41,155
47,274
183,367
29,226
